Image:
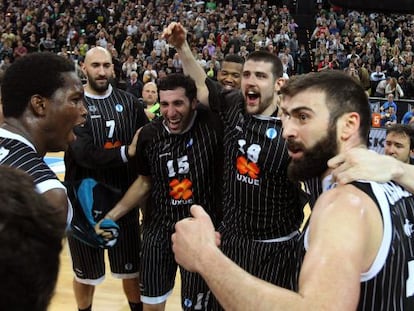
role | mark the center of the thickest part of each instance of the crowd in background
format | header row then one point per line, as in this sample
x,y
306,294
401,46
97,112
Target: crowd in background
x,y
375,48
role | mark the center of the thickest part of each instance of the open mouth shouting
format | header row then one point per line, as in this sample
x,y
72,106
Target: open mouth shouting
x,y
295,149
252,98
174,124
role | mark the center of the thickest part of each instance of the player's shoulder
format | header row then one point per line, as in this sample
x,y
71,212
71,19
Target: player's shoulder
x,y
348,196
151,129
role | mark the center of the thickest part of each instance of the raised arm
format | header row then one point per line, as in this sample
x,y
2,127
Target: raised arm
x,y
176,35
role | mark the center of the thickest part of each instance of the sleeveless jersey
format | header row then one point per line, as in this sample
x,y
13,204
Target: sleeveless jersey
x,y
18,152
100,150
185,168
259,201
389,284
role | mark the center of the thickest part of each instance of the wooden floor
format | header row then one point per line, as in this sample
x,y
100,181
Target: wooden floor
x,y
108,295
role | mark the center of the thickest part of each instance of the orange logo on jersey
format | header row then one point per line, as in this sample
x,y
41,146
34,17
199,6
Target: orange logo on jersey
x,y
245,167
181,190
112,145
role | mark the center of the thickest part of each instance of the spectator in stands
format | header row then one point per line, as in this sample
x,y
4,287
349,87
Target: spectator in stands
x,y
152,58
178,65
160,45
410,83
384,64
150,100
281,40
127,46
6,50
352,71
5,63
364,76
377,75
394,88
150,74
325,64
102,37
408,115
388,116
32,44
380,88
129,66
389,103
47,44
302,61
134,85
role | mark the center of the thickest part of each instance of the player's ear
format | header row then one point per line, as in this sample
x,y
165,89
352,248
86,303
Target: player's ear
x,y
348,125
38,104
194,103
279,83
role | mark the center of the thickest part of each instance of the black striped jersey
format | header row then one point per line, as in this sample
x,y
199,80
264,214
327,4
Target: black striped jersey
x,y
185,169
100,150
18,152
312,188
389,284
259,201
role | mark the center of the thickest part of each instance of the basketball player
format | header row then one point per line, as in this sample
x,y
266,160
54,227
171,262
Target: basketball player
x,y
228,76
180,163
359,242
39,117
103,151
263,210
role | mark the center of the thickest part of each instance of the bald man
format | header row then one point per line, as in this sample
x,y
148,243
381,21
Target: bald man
x,y
150,100
103,151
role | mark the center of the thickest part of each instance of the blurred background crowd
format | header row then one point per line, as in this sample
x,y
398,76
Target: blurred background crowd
x,y
375,48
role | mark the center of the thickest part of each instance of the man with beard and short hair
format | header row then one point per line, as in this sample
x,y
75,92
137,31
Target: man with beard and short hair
x,y
359,241
263,210
104,151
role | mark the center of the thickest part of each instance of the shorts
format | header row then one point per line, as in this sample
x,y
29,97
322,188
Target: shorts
x,y
159,269
274,262
88,263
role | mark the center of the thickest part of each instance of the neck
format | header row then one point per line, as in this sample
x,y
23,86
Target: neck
x,y
89,90
273,109
19,127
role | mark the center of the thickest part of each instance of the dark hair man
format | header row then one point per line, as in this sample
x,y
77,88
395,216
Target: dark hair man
x,y
42,102
179,163
229,75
